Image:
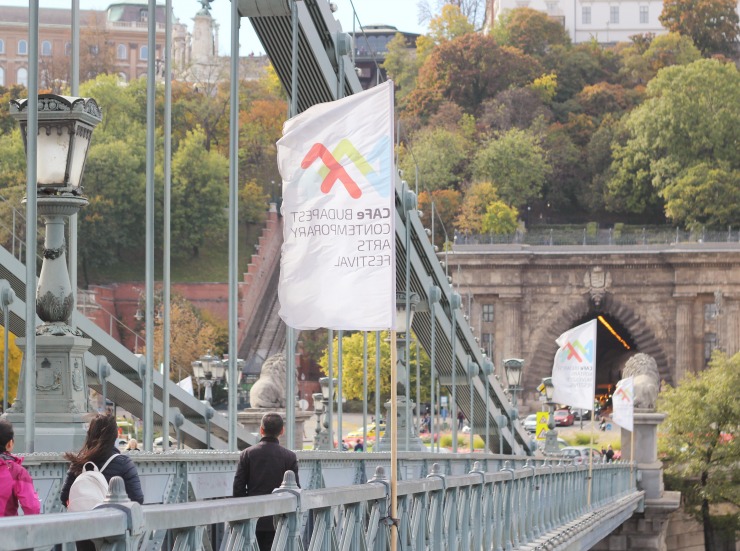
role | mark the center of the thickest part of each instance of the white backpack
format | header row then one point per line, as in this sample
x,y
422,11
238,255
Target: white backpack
x,y
89,488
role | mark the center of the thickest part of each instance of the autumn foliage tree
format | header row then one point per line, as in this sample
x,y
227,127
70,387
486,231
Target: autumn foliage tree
x,y
530,30
711,24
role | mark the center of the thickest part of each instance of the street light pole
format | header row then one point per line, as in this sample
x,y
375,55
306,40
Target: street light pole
x,y
551,436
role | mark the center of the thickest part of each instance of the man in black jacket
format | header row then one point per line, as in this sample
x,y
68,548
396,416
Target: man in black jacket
x,y
261,469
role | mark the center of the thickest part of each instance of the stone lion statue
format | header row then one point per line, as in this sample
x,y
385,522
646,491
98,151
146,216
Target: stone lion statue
x,y
269,390
644,369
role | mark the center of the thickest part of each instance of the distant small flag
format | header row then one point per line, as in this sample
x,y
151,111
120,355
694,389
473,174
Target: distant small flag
x,y
623,402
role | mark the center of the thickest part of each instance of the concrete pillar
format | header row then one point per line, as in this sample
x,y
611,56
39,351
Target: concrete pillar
x,y
730,326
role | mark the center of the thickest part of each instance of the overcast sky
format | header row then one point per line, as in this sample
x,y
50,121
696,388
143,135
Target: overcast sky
x,y
402,14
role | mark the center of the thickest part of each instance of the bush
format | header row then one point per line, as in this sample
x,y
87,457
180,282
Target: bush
x,y
463,441
592,228
584,439
618,227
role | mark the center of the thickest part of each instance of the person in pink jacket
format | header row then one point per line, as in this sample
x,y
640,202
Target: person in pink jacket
x,y
16,485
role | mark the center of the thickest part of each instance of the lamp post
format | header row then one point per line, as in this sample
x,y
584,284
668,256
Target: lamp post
x,y
513,368
410,441
551,436
322,404
55,383
487,369
208,370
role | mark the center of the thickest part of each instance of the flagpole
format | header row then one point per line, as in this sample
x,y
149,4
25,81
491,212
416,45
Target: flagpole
x,y
394,444
632,455
591,461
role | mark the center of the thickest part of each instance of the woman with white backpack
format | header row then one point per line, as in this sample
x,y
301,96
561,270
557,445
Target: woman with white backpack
x,y
99,453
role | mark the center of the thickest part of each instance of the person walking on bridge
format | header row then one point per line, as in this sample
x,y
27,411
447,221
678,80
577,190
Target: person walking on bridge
x,y
16,485
261,469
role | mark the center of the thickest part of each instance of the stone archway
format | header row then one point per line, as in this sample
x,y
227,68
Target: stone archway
x,y
570,315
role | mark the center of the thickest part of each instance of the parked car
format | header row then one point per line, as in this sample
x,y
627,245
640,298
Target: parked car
x,y
530,423
579,454
157,443
564,418
584,414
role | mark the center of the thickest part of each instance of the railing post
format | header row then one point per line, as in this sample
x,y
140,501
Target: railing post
x,y
477,526
436,511
378,533
118,499
287,535
507,506
530,507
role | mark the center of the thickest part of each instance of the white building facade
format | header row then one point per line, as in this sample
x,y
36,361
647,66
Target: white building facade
x,y
606,21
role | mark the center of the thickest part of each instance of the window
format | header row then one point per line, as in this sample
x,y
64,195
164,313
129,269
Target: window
x,y
144,52
644,15
487,344
614,15
144,15
487,312
22,47
586,15
22,77
122,77
710,344
122,51
46,48
2,76
710,311
2,46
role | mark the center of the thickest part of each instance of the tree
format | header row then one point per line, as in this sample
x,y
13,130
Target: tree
x,y
711,24
516,164
199,194
352,366
15,359
639,66
500,219
530,30
514,108
474,206
473,10
468,70
702,442
252,204
691,117
190,337
438,156
448,25
446,208
402,65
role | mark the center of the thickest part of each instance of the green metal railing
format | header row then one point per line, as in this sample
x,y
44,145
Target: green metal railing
x,y
538,505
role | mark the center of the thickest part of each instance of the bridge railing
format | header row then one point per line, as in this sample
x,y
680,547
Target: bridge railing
x,y
539,505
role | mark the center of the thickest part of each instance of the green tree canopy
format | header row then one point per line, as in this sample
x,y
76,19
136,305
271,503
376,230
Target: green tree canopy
x,y
683,123
475,203
353,360
199,195
516,164
439,154
711,24
500,219
639,64
701,439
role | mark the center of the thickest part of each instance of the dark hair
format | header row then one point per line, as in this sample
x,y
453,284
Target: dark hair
x,y
6,434
272,424
100,440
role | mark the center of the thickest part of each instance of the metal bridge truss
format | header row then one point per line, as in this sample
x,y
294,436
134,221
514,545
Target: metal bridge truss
x,y
513,506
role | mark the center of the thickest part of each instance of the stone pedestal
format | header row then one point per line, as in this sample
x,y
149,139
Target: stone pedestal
x,y
645,451
415,443
61,416
251,418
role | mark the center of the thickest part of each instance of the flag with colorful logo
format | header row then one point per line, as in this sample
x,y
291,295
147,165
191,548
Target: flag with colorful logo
x,y
574,368
623,402
337,267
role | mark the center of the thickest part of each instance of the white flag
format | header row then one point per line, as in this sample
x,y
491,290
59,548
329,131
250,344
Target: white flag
x,y
574,368
623,402
337,268
187,385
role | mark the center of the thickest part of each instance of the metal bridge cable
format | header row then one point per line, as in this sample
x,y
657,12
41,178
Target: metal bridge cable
x,y
31,214
166,275
233,240
149,255
367,43
74,90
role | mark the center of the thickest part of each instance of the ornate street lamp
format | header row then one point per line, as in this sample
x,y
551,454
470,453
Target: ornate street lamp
x,y
551,436
403,405
207,370
65,126
513,368
322,403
